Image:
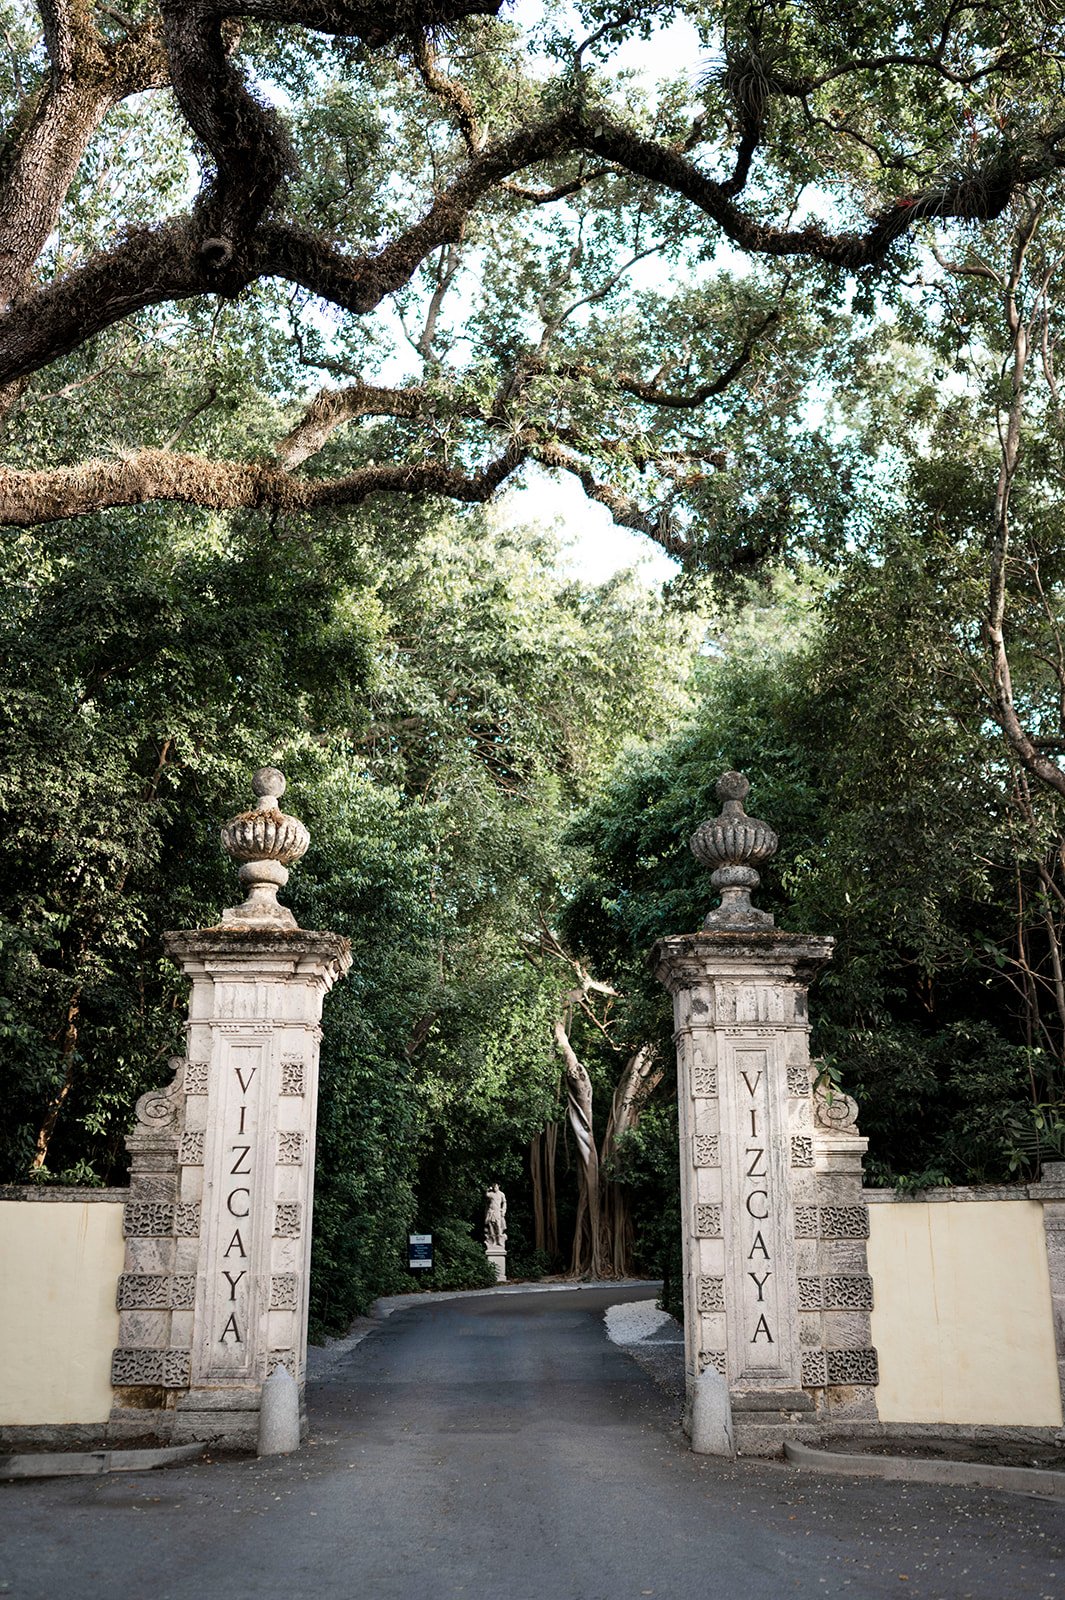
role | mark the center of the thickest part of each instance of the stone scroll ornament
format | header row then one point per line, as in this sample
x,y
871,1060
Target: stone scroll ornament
x,y
730,845
266,842
835,1111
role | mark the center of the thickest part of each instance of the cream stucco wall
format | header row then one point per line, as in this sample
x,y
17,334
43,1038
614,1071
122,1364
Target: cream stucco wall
x,y
59,1266
962,1314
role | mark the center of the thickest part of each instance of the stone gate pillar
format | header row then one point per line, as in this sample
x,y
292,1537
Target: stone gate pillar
x,y
218,1224
773,1224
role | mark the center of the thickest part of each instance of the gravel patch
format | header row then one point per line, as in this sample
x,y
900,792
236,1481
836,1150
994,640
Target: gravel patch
x,y
634,1321
653,1339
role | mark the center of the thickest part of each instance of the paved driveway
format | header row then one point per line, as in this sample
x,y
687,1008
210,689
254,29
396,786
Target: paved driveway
x,y
499,1447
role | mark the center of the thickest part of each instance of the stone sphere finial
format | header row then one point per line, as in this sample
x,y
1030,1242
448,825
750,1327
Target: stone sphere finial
x,y
732,786
731,845
266,842
269,784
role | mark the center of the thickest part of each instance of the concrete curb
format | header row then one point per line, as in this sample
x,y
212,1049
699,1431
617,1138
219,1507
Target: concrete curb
x,y
90,1463
909,1469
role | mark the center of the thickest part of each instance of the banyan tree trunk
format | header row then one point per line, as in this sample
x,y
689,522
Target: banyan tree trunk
x,y
542,1147
586,1257
536,1179
551,1205
603,1233
641,1075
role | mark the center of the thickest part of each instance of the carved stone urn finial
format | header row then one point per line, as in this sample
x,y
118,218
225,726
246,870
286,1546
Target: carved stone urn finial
x,y
731,845
266,842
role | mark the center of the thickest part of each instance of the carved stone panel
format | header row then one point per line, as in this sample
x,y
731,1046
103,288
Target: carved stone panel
x,y
798,1079
844,1222
705,1150
292,1070
240,1178
143,1291
802,1150
847,1292
290,1149
763,1334
191,1153
852,1366
711,1294
704,1080
814,1369
196,1074
708,1222
147,1219
284,1288
836,1291
287,1220
806,1222
810,1294
134,1365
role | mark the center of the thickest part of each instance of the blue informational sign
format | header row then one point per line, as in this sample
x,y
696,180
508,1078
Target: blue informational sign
x,y
420,1252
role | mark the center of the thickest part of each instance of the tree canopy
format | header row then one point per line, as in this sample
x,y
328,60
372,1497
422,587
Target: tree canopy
x,y
554,238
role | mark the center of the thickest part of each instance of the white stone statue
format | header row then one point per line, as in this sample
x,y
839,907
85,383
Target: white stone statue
x,y
495,1219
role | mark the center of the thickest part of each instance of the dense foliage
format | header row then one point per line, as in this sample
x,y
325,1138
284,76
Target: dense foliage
x,y
791,312
440,699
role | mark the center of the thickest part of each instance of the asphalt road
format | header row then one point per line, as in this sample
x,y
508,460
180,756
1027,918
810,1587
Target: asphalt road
x,y
499,1447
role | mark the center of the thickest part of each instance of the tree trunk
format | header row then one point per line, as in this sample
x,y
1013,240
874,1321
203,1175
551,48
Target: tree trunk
x,y
642,1074
550,1147
586,1258
1004,709
536,1178
542,1147
51,1117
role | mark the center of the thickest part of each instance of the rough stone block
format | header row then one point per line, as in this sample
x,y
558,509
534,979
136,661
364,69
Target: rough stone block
x,y
279,1414
711,1415
846,1330
151,1328
842,1256
150,1256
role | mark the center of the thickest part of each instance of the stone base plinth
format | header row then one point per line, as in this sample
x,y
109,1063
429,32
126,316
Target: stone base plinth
x,y
762,1420
498,1258
225,1418
140,1420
